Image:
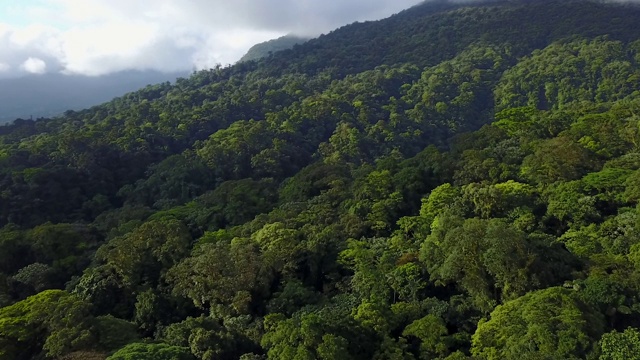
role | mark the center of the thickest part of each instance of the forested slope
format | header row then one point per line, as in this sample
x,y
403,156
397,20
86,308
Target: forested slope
x,y
452,182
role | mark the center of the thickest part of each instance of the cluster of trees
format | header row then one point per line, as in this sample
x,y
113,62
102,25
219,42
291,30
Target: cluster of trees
x,y
481,206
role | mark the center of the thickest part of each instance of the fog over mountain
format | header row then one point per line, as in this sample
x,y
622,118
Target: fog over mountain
x,y
51,94
96,37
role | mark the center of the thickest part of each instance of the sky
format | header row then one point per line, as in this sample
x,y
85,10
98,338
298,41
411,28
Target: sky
x,y
97,37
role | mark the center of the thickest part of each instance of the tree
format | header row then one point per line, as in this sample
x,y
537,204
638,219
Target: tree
x,y
551,323
66,248
38,276
113,333
439,199
557,159
206,338
52,322
302,338
15,250
281,247
432,333
227,276
142,351
632,188
519,121
620,345
103,287
145,254
568,202
489,259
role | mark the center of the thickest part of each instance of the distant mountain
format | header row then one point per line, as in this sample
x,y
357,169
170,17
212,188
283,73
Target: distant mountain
x,y
52,94
267,48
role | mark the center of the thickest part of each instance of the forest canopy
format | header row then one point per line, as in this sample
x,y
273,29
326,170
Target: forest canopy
x,y
454,182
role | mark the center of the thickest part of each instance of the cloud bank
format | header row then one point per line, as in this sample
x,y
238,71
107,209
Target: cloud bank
x,y
96,37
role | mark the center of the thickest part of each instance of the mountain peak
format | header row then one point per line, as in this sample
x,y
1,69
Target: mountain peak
x,y
267,48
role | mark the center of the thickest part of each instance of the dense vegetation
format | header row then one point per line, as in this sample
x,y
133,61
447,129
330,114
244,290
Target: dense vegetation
x,y
453,182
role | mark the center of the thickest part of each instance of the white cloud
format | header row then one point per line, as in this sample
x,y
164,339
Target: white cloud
x,y
95,37
34,66
4,67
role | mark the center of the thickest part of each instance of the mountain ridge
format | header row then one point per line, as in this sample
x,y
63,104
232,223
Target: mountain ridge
x,y
443,14
267,48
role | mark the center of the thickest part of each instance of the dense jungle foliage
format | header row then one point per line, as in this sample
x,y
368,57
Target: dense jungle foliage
x,y
454,182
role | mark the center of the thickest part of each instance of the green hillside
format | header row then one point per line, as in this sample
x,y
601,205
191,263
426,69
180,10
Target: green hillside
x,y
454,182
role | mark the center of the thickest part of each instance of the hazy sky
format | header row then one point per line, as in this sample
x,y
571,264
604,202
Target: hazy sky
x,y
95,37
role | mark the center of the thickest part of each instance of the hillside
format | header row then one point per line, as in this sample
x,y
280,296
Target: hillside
x,y
453,182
